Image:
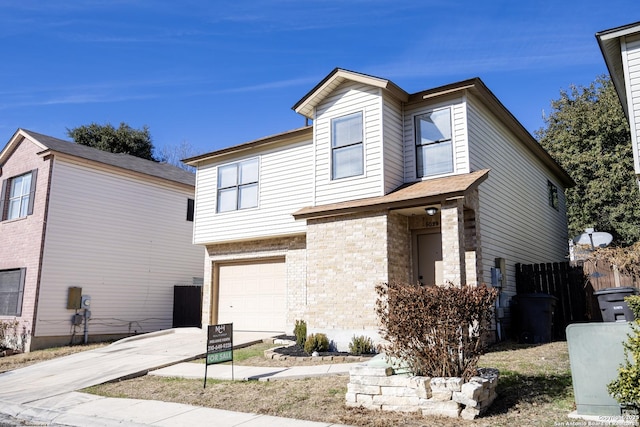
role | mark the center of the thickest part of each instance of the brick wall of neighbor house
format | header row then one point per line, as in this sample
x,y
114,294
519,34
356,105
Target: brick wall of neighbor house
x,y
341,278
293,249
20,239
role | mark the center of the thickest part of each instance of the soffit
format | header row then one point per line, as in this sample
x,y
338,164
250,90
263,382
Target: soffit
x,y
409,195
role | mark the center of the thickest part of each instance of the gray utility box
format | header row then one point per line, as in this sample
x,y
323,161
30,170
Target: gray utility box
x,y
596,352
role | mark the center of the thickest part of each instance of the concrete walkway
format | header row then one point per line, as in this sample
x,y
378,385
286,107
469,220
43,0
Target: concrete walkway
x,y
45,393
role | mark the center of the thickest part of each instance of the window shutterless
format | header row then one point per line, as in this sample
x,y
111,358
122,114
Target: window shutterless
x,y
434,147
347,151
238,185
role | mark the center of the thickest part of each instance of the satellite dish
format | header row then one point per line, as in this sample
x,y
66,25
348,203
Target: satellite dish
x,y
597,239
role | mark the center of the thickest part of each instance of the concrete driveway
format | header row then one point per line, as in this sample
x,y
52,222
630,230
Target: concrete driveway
x,y
125,358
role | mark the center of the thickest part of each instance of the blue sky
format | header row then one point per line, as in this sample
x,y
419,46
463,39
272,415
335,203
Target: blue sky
x,y
219,73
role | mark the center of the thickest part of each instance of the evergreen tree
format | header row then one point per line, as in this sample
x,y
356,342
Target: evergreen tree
x,y
124,139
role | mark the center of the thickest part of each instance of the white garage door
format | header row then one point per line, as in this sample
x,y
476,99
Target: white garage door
x,y
252,295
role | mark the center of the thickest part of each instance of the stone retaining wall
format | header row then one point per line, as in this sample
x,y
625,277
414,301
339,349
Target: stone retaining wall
x,y
379,388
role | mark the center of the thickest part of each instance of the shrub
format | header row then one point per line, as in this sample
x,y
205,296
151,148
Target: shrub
x,y
436,330
361,345
626,387
300,331
316,342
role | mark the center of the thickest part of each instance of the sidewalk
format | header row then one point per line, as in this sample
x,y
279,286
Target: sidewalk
x,y
45,394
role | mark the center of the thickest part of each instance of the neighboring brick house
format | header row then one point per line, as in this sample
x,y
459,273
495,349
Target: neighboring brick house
x,y
432,187
621,50
114,225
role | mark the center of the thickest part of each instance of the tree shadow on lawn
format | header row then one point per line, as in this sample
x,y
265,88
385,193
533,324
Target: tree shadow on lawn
x,y
515,389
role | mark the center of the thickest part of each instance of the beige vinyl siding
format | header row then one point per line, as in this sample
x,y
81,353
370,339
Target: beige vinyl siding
x,y
124,241
458,134
349,98
285,185
632,71
392,143
516,221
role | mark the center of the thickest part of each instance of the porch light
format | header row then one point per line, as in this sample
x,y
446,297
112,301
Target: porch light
x,y
431,210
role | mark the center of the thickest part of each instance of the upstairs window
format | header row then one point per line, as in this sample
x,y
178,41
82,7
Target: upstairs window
x,y
11,291
347,157
190,209
17,197
434,147
552,193
238,186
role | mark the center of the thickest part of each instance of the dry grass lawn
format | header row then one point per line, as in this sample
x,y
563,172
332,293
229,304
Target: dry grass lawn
x,y
534,390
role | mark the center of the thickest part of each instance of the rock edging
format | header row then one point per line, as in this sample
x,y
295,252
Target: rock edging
x,y
380,388
272,354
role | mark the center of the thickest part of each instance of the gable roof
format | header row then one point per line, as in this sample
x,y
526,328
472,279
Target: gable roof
x,y
127,162
308,102
406,196
610,46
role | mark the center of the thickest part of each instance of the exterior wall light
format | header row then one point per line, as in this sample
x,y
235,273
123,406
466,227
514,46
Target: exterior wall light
x,y
431,211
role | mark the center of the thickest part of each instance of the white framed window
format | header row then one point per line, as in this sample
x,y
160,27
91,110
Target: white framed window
x,y
347,148
17,197
238,185
11,291
434,146
552,194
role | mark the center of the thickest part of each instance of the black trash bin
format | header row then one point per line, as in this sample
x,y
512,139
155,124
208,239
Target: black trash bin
x,y
535,317
613,306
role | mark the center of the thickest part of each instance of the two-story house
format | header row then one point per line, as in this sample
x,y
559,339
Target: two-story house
x,y
386,186
80,222
621,50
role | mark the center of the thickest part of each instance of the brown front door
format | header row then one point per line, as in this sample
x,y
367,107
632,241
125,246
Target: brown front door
x,y
429,254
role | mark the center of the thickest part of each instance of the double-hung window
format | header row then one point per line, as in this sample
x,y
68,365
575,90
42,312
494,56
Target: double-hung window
x,y
434,147
17,196
347,156
238,185
11,291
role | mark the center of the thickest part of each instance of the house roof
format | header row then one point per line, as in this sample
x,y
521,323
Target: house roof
x,y
306,131
308,102
406,196
610,46
50,144
475,86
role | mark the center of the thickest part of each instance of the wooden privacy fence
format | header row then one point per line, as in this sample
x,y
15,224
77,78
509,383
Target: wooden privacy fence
x,y
565,282
574,285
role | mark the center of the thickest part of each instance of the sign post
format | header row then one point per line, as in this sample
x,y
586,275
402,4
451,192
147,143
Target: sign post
x,y
219,346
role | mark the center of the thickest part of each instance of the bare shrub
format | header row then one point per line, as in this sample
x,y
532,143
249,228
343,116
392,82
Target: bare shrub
x,y
436,330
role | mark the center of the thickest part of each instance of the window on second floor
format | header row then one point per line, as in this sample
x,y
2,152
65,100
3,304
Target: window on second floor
x,y
347,151
434,146
238,185
17,197
190,209
11,291
552,193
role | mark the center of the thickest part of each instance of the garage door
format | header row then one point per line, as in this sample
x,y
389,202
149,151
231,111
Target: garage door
x,y
252,295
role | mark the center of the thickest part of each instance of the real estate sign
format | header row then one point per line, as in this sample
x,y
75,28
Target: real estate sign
x,y
219,346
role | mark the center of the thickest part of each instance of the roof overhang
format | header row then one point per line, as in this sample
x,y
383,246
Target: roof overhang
x,y
610,42
307,104
421,193
289,136
15,140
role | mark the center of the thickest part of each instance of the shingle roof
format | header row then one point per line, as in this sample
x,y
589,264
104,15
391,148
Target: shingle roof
x,y
123,161
408,195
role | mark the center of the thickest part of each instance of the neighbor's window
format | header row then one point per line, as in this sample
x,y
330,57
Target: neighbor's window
x,y
11,291
434,147
238,185
347,157
16,200
552,192
190,209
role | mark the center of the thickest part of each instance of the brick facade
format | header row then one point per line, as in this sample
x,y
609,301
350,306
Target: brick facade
x,y
21,239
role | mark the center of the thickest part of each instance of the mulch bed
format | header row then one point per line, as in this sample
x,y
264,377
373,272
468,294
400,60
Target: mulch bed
x,y
297,351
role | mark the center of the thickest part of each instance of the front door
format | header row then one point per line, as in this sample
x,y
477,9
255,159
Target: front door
x,y
429,254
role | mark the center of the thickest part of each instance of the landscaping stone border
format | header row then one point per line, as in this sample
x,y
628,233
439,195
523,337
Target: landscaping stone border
x,y
271,354
380,388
